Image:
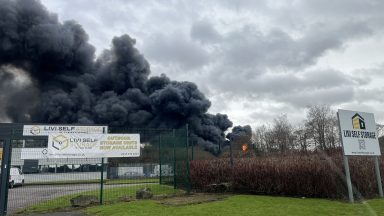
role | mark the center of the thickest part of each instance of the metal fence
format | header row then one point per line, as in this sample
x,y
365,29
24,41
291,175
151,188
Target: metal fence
x,y
163,166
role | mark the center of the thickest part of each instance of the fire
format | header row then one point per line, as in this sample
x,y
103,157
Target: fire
x,y
244,147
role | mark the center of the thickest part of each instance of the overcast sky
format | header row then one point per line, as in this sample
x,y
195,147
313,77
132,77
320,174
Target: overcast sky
x,y
253,59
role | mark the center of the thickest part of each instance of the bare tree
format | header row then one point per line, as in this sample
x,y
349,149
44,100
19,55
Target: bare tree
x,y
321,125
259,139
264,139
282,131
301,138
319,129
380,130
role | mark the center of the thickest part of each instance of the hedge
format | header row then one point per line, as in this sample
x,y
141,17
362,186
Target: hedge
x,y
313,175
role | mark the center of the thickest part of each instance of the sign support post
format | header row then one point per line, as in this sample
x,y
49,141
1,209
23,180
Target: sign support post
x,y
378,177
346,166
348,177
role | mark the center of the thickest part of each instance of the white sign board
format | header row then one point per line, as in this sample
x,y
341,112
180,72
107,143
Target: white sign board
x,y
45,130
33,153
358,133
93,145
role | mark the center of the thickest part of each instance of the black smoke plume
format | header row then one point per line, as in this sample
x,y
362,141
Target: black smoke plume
x,y
49,74
240,135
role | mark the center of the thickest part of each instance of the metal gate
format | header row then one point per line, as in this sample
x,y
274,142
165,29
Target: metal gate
x,y
25,183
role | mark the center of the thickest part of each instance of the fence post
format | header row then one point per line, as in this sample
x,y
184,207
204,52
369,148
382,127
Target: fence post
x,y
174,160
188,168
160,173
5,167
101,181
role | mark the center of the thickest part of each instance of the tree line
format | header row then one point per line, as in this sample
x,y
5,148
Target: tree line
x,y
318,132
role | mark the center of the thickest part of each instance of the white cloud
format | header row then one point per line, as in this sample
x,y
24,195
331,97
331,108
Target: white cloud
x,y
176,50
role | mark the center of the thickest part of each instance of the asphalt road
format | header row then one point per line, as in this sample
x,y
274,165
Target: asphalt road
x,y
21,197
51,177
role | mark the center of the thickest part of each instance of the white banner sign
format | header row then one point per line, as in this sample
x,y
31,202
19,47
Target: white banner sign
x,y
45,130
93,145
33,153
358,133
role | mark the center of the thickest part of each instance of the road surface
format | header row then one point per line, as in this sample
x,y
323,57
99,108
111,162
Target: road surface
x,y
52,177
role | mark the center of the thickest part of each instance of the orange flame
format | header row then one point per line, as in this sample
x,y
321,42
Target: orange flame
x,y
244,147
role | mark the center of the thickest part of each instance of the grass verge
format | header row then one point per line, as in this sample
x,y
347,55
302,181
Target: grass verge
x,y
245,205
111,195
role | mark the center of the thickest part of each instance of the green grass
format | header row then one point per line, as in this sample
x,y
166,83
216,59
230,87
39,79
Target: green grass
x,y
245,205
111,195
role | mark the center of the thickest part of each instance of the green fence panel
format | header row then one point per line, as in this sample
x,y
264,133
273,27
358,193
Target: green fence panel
x,y
163,166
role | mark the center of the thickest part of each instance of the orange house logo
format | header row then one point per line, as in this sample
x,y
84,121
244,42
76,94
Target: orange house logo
x,y
358,122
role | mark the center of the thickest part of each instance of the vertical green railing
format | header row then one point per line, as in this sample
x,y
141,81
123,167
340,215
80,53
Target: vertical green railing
x,y
174,158
188,179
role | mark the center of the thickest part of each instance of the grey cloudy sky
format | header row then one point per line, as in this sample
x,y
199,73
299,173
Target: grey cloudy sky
x,y
254,60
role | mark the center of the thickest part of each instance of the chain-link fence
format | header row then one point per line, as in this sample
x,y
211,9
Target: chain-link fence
x,y
45,183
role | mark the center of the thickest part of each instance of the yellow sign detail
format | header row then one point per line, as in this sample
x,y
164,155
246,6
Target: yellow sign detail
x,y
358,122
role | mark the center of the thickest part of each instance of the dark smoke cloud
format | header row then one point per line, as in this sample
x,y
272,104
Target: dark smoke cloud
x,y
210,130
240,134
17,95
66,84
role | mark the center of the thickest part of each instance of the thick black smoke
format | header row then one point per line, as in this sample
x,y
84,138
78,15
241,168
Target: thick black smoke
x,y
65,84
241,135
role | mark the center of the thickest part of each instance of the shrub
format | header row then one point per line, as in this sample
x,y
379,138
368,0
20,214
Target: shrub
x,y
309,175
